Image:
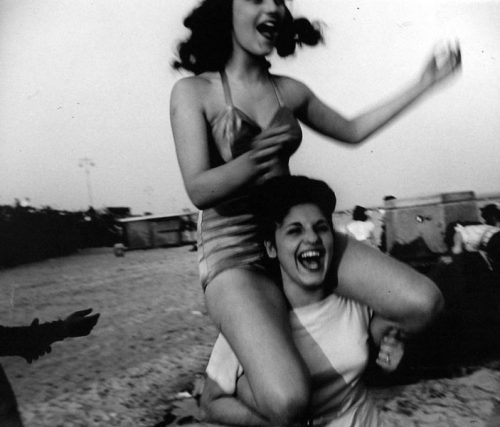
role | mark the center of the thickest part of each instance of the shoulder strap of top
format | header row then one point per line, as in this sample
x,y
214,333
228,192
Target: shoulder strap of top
x,y
226,88
276,91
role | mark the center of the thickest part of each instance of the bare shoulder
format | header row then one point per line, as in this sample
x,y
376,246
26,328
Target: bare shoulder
x,y
293,91
200,92
194,87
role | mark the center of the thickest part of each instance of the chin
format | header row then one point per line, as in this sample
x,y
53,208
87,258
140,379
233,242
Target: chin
x,y
314,283
262,53
265,49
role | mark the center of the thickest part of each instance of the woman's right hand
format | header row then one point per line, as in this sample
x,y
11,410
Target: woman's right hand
x,y
265,155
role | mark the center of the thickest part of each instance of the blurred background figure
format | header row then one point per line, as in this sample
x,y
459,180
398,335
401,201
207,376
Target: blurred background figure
x,y
491,214
383,234
481,238
361,227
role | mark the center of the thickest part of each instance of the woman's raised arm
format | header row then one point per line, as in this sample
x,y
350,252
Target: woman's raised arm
x,y
314,113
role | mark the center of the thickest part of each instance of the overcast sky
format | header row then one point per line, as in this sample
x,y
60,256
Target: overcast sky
x,y
92,79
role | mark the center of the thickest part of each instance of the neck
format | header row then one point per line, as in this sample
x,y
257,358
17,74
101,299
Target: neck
x,y
299,297
245,67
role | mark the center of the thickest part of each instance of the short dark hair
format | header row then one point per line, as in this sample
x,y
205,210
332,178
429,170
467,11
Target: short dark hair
x,y
490,212
209,46
273,200
359,214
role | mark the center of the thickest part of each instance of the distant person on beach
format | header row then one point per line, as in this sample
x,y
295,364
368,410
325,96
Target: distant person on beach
x,y
475,238
235,126
491,214
32,342
331,332
383,233
361,227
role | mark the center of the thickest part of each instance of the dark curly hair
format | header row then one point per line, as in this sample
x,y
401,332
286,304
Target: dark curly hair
x,y
209,46
273,200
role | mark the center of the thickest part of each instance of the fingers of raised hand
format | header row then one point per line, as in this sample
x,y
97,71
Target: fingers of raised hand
x,y
267,170
447,57
272,141
275,131
267,155
455,53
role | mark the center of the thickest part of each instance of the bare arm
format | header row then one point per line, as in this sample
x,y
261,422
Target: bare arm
x,y
205,183
226,409
327,121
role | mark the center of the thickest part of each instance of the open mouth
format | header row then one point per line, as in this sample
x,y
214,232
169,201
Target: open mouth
x,y
311,259
268,29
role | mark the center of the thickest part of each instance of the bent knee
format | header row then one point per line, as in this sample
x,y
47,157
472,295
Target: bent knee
x,y
428,303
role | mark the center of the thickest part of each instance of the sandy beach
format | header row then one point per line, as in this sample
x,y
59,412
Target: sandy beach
x,y
152,340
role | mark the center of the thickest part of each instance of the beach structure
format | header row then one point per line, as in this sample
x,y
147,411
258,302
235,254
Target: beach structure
x,y
415,227
153,231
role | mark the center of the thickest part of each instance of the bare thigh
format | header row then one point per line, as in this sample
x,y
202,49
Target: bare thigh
x,y
251,312
392,289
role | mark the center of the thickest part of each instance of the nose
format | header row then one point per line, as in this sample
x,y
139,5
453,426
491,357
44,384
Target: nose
x,y
271,6
311,236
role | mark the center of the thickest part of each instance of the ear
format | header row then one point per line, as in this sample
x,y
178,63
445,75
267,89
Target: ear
x,y
270,249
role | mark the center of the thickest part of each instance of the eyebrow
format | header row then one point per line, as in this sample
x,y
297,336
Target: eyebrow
x,y
298,223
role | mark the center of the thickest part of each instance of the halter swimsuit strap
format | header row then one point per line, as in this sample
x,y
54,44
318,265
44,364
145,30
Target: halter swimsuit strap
x,y
276,91
227,89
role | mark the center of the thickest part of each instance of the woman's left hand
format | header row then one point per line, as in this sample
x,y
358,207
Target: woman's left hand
x,y
445,61
391,351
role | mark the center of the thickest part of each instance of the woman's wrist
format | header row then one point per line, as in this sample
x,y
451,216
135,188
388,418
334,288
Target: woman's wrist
x,y
424,84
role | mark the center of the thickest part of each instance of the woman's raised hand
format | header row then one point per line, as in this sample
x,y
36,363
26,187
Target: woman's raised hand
x,y
445,60
265,152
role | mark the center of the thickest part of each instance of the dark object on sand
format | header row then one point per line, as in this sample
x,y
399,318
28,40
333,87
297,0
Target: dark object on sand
x,y
119,249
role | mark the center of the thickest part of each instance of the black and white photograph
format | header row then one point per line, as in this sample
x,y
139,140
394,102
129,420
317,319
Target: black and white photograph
x,y
249,213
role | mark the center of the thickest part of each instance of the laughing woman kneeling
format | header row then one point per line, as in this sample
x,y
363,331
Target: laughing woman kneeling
x,y
331,332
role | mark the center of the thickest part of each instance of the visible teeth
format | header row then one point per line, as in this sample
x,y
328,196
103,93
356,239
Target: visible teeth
x,y
267,27
310,254
269,24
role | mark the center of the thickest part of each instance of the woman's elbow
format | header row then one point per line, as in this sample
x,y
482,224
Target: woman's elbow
x,y
353,134
198,196
198,202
